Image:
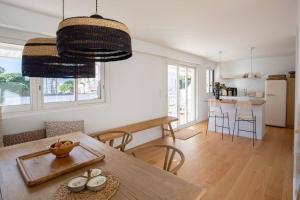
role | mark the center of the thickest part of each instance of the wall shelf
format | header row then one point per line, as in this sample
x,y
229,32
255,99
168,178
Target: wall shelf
x,y
236,77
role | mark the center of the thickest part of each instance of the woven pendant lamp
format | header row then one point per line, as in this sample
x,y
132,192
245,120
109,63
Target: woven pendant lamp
x,y
94,38
40,59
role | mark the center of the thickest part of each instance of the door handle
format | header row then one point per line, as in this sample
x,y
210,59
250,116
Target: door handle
x,y
271,95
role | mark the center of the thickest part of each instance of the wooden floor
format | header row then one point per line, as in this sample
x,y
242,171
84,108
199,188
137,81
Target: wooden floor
x,y
234,170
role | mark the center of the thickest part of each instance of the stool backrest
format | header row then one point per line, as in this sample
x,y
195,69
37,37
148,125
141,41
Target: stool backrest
x,y
214,105
244,107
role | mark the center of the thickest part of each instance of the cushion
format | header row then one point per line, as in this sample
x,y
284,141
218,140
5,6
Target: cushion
x,y
23,137
56,128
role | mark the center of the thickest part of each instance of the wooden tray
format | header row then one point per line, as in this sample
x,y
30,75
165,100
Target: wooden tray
x,y
42,166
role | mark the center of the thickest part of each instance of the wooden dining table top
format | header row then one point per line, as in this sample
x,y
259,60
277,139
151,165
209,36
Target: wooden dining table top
x,y
138,180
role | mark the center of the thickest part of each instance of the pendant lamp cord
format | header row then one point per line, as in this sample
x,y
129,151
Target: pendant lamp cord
x,y
252,48
63,7
96,6
220,57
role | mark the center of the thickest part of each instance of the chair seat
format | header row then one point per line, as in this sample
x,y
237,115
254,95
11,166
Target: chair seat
x,y
217,114
246,117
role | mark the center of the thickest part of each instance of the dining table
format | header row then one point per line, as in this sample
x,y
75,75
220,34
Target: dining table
x,y
138,179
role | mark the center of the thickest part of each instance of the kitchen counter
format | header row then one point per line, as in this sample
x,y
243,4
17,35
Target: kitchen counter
x,y
229,106
254,102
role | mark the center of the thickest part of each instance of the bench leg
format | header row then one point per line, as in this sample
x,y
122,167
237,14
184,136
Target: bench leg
x,y
172,132
162,131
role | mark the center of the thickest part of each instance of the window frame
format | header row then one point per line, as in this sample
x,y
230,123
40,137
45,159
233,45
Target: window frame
x,y
37,96
76,102
210,86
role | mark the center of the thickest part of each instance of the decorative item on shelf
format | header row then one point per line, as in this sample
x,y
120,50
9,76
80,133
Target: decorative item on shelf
x,y
61,149
101,187
217,89
94,38
40,59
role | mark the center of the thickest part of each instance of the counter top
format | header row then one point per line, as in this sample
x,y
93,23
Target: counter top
x,y
255,102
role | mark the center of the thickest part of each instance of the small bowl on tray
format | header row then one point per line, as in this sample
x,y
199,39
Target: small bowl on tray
x,y
77,184
96,183
61,149
91,180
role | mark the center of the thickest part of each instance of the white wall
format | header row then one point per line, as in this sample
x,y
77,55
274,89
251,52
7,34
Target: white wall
x,y
296,175
136,88
136,92
263,66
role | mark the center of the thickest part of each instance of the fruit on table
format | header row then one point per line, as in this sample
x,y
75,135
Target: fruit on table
x,y
67,143
62,144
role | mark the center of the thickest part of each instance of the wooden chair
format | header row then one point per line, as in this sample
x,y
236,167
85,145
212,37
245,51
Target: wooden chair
x,y
170,150
112,135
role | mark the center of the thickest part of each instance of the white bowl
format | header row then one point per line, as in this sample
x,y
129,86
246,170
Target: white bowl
x,y
97,183
95,172
77,184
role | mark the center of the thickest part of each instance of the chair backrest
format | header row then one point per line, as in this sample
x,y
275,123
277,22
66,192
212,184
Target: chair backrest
x,y
169,156
214,105
244,107
27,136
110,137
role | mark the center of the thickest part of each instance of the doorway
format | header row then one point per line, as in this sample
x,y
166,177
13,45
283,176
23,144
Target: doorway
x,y
182,94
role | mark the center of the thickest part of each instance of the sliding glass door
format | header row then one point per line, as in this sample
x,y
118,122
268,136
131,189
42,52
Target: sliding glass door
x,y
182,94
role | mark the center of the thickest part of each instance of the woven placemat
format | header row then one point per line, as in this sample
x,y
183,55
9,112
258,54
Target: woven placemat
x,y
112,185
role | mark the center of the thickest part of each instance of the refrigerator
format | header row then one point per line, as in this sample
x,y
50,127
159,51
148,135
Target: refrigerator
x,y
276,93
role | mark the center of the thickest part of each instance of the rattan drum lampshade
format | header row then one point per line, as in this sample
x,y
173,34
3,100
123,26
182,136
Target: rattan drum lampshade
x,y
94,38
40,59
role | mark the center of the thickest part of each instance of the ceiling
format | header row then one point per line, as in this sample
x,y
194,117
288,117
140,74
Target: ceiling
x,y
200,27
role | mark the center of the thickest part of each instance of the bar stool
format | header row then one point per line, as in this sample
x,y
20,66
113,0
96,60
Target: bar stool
x,y
215,111
244,113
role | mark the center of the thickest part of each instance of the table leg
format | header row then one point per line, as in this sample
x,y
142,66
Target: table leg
x,y
162,131
172,132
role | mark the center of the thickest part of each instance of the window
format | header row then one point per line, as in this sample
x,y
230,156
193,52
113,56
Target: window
x,y
210,80
14,89
19,93
59,90
70,90
182,94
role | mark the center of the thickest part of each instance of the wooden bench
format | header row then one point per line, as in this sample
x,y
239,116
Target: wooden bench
x,y
137,127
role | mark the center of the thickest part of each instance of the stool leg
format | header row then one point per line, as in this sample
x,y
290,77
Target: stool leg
x,y
207,125
234,125
215,123
253,132
238,132
255,129
228,123
223,126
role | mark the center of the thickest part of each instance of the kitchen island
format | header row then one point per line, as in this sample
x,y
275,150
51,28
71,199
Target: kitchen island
x,y
229,105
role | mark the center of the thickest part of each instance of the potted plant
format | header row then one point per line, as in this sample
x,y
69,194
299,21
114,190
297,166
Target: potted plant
x,y
218,88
